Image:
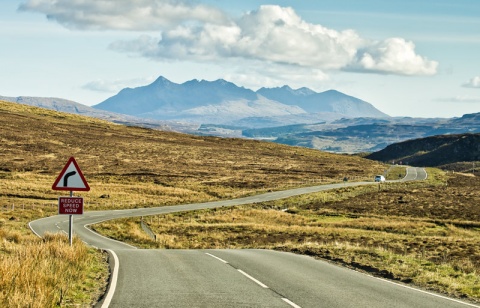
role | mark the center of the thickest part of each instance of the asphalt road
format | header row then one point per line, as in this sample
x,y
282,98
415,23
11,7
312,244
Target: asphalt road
x,y
236,278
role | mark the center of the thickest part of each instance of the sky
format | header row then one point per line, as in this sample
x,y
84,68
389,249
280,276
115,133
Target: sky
x,y
417,58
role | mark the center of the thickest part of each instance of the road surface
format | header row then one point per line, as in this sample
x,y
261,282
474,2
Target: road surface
x,y
236,278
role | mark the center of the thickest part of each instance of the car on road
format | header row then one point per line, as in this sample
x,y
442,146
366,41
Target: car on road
x,y
379,178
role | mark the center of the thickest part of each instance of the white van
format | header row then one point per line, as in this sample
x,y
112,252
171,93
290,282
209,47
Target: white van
x,y
379,178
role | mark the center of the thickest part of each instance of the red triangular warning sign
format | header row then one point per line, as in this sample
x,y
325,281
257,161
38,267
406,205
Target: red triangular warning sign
x,y
71,178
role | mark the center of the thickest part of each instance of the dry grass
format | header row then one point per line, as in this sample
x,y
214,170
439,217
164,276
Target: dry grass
x,y
135,167
47,272
396,172
126,167
424,233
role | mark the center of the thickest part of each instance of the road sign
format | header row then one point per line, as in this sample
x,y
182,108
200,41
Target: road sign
x,y
70,205
71,178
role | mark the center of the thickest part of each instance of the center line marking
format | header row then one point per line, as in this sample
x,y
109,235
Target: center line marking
x,y
253,279
219,259
286,300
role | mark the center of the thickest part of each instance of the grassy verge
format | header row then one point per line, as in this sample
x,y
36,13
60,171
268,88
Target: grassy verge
x,y
424,233
396,172
46,272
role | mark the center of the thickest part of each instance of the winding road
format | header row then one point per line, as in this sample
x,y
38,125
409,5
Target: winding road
x,y
236,278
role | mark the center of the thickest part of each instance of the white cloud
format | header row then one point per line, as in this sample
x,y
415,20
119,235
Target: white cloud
x,y
272,34
137,15
115,86
278,35
473,83
392,56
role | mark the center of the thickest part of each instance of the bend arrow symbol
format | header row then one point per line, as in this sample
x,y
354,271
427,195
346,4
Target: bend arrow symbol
x,y
67,175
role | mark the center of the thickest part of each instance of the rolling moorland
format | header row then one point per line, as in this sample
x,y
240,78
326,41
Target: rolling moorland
x,y
420,233
451,152
126,167
329,121
423,233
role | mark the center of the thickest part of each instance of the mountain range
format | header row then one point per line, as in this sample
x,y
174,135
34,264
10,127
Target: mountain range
x,y
222,102
329,121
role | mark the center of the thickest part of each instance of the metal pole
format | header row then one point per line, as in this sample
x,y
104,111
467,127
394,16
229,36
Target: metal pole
x,y
70,225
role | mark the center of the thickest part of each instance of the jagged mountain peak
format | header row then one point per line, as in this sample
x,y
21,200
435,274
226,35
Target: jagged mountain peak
x,y
303,91
162,82
162,79
332,91
164,100
223,82
215,83
336,94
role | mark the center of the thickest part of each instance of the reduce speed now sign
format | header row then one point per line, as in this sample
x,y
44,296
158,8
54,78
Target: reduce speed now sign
x,y
70,205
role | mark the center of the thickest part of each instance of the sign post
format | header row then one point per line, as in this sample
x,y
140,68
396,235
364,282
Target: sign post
x,y
70,178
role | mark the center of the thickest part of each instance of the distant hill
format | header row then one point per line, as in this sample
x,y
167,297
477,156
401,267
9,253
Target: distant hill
x,y
432,151
41,140
63,105
68,106
222,102
328,101
364,134
328,121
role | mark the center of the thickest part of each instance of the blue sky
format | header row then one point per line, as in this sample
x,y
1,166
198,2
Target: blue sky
x,y
407,58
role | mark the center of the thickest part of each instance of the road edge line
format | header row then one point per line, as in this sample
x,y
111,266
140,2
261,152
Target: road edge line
x,y
30,226
426,292
86,226
113,281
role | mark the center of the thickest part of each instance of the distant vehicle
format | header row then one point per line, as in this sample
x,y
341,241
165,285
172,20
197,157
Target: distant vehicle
x,y
379,178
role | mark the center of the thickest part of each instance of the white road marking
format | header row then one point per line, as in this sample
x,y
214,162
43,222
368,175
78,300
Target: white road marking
x,y
113,284
414,289
219,259
426,292
253,279
30,226
286,300
107,238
